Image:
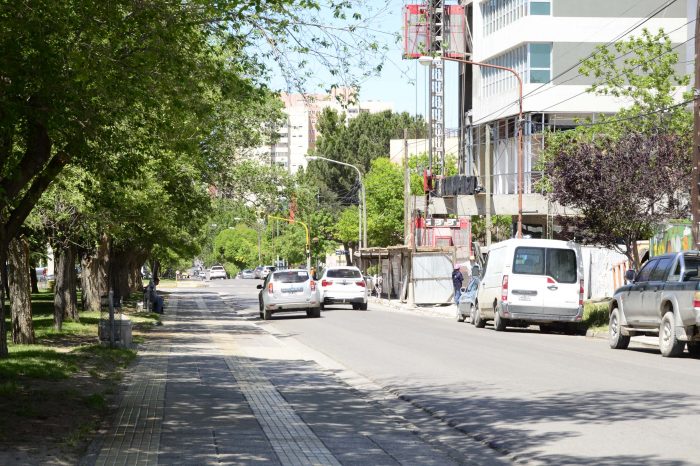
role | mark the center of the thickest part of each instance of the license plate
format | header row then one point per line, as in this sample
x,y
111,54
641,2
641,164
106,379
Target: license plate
x,y
523,298
292,290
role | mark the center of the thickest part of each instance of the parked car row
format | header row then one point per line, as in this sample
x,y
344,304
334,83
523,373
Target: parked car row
x,y
295,290
541,282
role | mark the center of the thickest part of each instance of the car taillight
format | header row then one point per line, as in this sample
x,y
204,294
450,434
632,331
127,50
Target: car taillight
x,y
269,288
696,300
361,283
580,293
550,281
326,283
312,284
504,289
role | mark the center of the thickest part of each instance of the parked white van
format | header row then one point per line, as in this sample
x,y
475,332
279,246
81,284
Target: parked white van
x,y
528,281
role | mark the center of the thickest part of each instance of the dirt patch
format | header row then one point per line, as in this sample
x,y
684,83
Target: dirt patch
x,y
52,421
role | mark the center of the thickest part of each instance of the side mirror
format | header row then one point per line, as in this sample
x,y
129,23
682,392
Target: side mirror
x,y
629,275
476,271
259,287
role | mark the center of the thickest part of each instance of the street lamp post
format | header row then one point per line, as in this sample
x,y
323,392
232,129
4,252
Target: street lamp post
x,y
363,207
426,60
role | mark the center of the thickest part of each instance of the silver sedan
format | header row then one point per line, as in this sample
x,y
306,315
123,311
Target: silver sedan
x,y
291,290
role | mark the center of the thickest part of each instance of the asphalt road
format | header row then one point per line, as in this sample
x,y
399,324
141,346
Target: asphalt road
x,y
543,399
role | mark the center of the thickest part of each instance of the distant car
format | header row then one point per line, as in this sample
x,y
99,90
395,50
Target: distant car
x,y
217,271
247,273
465,308
344,285
258,271
266,270
290,290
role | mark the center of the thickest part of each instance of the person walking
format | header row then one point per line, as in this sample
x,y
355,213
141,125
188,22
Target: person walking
x,y
457,279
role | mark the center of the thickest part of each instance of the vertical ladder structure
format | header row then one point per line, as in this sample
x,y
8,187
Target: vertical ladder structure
x,y
436,15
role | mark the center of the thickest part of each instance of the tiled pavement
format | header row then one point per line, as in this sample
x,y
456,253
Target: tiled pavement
x,y
212,387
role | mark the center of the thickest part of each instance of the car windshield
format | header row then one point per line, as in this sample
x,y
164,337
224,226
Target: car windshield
x,y
291,276
343,273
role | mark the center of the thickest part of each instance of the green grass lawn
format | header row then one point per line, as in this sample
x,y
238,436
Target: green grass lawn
x,y
595,316
58,390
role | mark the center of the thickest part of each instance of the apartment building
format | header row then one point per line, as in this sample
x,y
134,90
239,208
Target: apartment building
x,y
544,41
298,134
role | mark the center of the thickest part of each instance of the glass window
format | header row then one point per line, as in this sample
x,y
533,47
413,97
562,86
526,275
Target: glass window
x,y
343,273
676,275
692,265
529,261
540,55
541,8
561,265
661,270
540,61
644,274
291,276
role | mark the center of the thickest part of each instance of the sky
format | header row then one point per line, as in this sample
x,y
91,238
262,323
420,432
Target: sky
x,y
403,82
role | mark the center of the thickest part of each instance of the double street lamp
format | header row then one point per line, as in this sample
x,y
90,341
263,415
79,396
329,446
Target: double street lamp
x,y
427,61
362,210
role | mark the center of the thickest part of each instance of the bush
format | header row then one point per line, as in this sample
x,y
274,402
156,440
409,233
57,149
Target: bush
x,y
231,269
595,314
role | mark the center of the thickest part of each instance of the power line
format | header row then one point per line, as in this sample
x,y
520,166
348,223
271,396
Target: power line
x,y
619,74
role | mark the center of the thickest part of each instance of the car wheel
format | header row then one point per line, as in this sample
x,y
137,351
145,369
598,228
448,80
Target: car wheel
x,y
355,307
460,317
478,321
363,306
316,312
694,349
499,323
309,313
472,312
544,328
267,314
668,340
617,339
323,306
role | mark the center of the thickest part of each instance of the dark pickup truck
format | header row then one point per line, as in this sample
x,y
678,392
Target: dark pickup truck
x,y
662,299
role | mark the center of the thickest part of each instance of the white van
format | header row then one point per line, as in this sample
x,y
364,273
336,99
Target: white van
x,y
528,281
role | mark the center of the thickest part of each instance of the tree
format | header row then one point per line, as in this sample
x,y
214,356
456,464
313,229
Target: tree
x,y
357,142
347,230
624,174
238,246
384,185
622,188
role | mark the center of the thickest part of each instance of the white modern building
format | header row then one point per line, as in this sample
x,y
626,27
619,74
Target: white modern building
x,y
545,41
299,132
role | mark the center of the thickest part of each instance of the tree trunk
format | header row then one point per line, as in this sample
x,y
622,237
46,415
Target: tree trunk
x,y
64,303
33,278
94,277
348,256
20,293
3,328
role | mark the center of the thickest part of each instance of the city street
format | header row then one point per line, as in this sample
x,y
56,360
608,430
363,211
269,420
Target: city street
x,y
543,398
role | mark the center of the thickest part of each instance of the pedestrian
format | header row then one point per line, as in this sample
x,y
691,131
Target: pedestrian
x,y
457,279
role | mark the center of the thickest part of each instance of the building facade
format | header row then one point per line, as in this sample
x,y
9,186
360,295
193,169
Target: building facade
x,y
545,42
298,134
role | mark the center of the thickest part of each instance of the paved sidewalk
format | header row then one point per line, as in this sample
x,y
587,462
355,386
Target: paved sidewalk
x,y
212,387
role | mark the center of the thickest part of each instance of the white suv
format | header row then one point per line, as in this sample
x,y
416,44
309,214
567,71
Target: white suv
x,y
217,271
344,285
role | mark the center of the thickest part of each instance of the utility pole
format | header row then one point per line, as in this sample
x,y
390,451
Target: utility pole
x,y
487,181
406,192
695,174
